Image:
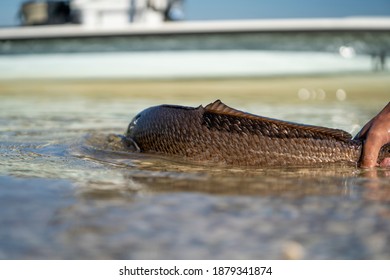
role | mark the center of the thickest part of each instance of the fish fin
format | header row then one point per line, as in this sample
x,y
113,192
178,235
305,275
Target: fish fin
x,y
221,108
301,130
131,144
337,134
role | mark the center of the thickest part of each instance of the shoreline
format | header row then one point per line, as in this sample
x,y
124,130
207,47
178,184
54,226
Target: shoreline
x,y
355,83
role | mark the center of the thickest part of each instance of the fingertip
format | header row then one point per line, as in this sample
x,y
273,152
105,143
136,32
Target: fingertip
x,y
369,158
368,165
385,163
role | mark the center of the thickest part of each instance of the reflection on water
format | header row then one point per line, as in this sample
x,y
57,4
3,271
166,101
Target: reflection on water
x,y
67,190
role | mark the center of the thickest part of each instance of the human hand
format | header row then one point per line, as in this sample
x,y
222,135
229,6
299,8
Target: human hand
x,y
375,134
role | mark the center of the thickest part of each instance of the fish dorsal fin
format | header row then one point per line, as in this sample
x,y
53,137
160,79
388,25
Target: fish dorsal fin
x,y
285,129
221,108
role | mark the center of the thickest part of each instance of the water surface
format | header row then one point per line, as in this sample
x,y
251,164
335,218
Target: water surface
x,y
67,193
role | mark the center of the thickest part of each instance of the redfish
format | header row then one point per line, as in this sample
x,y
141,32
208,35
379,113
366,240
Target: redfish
x,y
223,135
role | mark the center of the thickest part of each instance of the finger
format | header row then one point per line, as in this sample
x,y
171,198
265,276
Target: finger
x,y
362,133
370,152
385,162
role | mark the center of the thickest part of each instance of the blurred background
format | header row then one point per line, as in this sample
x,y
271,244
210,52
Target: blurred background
x,y
243,9
140,39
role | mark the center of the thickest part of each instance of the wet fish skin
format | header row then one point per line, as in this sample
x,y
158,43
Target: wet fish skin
x,y
220,134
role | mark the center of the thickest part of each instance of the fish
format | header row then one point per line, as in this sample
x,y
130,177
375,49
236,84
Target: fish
x,y
220,134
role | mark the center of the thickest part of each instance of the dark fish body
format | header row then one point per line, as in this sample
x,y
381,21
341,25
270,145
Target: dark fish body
x,y
220,134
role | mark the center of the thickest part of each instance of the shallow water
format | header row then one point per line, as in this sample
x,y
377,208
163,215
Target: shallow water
x,y
67,193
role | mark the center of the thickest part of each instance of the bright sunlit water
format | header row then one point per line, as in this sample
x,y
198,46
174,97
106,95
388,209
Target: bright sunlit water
x,y
66,194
